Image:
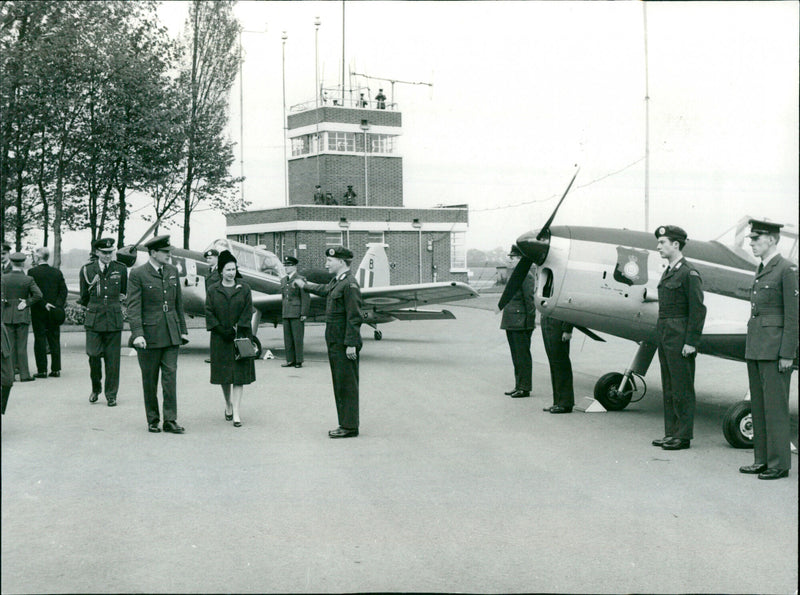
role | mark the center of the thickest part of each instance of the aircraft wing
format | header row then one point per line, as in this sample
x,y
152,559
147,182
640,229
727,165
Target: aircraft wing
x,y
391,298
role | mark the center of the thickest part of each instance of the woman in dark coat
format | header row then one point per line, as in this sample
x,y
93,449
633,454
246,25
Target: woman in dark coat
x,y
229,306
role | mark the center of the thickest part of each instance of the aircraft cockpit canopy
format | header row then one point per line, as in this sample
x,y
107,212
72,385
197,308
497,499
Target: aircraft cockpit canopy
x,y
740,244
252,258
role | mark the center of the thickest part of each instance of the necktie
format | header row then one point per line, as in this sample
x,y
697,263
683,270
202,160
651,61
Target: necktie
x,y
760,267
160,272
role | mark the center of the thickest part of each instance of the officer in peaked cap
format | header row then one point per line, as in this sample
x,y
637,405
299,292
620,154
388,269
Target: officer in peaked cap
x,y
19,292
770,351
158,244
342,334
158,328
295,307
519,322
104,285
681,315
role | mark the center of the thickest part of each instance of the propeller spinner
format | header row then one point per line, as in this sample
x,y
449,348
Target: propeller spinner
x,y
534,247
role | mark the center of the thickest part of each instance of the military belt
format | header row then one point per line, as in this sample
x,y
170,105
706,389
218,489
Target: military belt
x,y
767,311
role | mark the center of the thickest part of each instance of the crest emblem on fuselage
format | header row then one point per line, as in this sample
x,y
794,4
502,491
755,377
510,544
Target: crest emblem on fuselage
x,y
631,267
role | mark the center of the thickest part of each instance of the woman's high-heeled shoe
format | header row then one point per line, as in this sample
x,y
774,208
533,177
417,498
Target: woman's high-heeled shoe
x,y
228,416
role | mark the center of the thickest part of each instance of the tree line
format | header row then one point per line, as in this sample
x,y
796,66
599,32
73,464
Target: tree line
x,y
98,104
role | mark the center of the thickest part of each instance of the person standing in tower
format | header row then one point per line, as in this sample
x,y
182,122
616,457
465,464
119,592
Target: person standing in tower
x,y
380,100
104,284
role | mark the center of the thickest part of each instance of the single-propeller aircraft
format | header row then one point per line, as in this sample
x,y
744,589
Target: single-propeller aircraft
x,y
607,280
262,270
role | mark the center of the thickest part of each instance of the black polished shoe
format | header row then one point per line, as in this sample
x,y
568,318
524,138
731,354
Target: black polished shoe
x,y
299,365
207,360
228,416
28,379
753,469
153,427
237,424
661,441
519,394
172,427
676,444
55,373
93,397
342,433
560,409
112,401
510,392
774,474
40,375
288,365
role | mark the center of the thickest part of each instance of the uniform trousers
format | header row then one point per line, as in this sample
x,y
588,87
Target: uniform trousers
x,y
677,384
769,404
293,332
560,366
6,393
18,333
104,346
46,335
344,372
151,361
520,344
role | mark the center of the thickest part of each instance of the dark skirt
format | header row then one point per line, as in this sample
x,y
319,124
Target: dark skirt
x,y
225,369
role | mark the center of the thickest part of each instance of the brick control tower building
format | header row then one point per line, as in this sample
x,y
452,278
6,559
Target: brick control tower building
x,y
345,174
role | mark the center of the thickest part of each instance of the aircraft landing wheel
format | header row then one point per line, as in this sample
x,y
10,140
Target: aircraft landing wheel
x,y
378,335
606,391
737,425
259,350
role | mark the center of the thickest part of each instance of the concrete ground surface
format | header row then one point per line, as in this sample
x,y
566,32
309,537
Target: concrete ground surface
x,y
451,486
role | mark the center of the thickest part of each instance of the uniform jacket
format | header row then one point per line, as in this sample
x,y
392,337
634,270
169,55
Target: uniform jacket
x,y
155,306
51,282
7,268
103,294
520,311
296,302
342,309
17,286
680,305
772,327
212,277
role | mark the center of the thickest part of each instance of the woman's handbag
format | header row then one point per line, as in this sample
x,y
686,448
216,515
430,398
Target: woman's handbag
x,y
244,348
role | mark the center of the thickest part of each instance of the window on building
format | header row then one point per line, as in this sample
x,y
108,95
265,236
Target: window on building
x,y
304,145
342,141
375,237
333,238
458,250
382,143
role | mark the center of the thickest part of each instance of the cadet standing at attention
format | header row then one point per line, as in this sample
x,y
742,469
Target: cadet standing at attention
x,y
519,321
770,351
681,315
104,283
158,328
342,334
296,303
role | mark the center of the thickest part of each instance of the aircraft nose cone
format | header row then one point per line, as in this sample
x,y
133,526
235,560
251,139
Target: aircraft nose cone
x,y
533,247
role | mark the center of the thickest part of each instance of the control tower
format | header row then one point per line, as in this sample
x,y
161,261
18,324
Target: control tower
x,y
334,146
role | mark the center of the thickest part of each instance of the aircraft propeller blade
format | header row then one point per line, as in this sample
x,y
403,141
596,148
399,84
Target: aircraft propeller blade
x,y
590,334
127,254
546,227
515,281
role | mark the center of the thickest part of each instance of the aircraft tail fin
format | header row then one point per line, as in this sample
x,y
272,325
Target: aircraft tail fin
x,y
374,268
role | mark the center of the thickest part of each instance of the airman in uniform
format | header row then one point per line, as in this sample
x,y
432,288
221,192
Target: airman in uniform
x,y
342,334
19,293
556,336
295,306
681,316
211,255
771,352
104,284
158,329
519,322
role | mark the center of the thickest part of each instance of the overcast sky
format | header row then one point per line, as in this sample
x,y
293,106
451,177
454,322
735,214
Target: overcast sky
x,y
523,91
